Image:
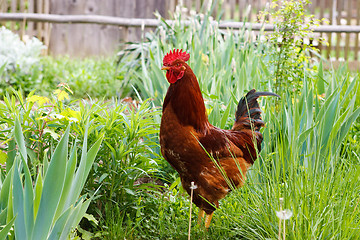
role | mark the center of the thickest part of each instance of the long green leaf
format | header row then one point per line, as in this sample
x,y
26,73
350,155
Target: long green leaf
x,y
329,119
75,217
11,155
19,137
28,200
19,210
60,224
5,231
69,179
3,216
90,157
38,191
344,129
82,172
52,189
6,187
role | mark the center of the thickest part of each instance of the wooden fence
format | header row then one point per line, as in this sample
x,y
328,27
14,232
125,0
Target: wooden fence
x,y
39,29
94,39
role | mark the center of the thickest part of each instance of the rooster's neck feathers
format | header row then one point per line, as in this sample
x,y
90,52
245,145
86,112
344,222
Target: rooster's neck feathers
x,y
187,102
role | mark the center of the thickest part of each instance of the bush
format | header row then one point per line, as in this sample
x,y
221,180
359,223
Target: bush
x,y
18,60
290,44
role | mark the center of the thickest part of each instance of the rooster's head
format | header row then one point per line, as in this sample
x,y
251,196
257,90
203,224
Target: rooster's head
x,y
174,64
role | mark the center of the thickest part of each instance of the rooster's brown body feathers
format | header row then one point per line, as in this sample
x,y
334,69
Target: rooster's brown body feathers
x,y
216,160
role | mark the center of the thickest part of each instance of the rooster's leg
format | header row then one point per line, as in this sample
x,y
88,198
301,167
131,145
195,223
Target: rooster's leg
x,y
201,215
208,220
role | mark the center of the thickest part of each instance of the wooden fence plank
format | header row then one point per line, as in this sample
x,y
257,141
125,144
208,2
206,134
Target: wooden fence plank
x,y
47,26
241,10
311,7
348,22
232,7
172,5
3,6
23,23
357,34
30,25
330,35
321,4
39,25
338,22
198,5
13,9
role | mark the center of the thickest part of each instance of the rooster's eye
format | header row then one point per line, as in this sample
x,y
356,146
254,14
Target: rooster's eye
x,y
178,64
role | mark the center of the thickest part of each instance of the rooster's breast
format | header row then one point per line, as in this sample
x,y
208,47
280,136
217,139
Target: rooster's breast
x,y
179,144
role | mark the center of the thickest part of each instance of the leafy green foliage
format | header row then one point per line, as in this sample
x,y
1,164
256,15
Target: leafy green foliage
x,y
129,161
129,151
47,206
290,44
90,78
18,60
43,120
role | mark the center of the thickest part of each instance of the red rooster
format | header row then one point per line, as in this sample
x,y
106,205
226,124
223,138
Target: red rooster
x,y
215,160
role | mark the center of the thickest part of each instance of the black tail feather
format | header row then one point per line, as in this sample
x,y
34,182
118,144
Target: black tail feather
x,y
248,113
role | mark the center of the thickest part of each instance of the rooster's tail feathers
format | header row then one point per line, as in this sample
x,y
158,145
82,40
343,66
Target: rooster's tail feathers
x,y
248,113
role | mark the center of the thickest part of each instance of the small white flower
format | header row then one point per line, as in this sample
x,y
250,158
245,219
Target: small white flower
x,y
284,214
193,186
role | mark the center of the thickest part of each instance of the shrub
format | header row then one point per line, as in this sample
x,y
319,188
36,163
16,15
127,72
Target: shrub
x,y
18,60
289,44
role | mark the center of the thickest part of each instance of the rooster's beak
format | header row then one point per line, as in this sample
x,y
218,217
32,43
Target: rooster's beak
x,y
165,68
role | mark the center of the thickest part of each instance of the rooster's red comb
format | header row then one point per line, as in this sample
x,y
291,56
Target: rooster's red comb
x,y
175,54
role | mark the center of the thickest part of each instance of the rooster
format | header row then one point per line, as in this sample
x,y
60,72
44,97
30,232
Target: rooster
x,y
216,160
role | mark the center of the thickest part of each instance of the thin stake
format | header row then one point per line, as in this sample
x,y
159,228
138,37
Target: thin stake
x,y
191,199
281,202
284,230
